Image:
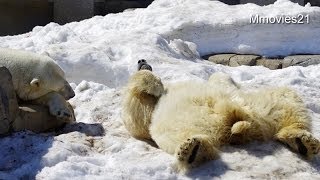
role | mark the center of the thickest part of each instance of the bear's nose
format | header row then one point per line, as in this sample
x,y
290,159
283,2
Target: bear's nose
x,y
72,94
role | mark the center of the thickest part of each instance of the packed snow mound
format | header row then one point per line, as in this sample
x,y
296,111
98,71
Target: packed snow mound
x,y
99,54
168,31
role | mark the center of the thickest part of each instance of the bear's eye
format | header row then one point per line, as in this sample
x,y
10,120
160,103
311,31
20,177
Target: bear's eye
x,y
139,61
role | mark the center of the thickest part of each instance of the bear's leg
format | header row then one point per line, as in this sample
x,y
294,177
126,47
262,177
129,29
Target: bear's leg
x,y
299,139
140,97
58,106
195,151
222,79
37,119
295,125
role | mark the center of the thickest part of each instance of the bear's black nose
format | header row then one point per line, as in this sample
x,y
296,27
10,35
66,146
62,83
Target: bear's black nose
x,y
72,95
141,61
142,64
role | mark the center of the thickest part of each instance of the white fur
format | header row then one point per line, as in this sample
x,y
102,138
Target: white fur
x,y
192,120
35,76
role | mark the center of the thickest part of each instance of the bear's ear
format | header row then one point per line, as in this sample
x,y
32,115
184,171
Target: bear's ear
x,y
35,82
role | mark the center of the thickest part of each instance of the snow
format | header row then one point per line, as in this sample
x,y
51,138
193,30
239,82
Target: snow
x,y
99,54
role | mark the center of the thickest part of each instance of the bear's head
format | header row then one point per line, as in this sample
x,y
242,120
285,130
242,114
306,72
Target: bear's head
x,y
46,77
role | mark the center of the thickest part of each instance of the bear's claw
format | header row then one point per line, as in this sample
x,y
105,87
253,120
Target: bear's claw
x,y
307,144
188,150
62,113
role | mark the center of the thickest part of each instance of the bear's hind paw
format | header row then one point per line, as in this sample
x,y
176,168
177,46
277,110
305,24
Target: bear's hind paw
x,y
308,145
300,141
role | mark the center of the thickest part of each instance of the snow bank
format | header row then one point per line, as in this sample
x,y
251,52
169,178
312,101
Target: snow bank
x,y
101,49
100,53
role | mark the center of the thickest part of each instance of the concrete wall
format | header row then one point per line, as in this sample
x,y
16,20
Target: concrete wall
x,y
20,16
267,2
230,2
75,10
314,2
115,6
72,10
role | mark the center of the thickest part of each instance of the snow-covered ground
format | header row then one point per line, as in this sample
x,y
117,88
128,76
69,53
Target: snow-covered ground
x,y
100,53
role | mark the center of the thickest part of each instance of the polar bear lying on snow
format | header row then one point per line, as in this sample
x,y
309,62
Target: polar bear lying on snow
x,y
193,120
39,80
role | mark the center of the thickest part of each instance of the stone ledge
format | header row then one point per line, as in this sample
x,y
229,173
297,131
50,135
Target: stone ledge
x,y
234,60
221,58
270,63
247,60
301,60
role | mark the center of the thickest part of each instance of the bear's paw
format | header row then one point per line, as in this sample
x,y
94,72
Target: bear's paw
x,y
61,112
188,150
307,144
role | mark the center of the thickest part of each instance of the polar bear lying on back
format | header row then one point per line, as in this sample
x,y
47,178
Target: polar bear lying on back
x,y
193,120
38,79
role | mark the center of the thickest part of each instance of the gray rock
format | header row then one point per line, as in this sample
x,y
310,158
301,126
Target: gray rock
x,y
301,60
8,101
270,63
223,59
247,60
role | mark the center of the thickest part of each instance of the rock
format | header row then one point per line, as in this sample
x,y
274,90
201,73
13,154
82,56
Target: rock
x,y
301,60
234,60
36,118
223,59
8,101
247,60
270,63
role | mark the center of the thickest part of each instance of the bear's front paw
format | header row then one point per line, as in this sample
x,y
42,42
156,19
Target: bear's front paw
x,y
62,113
195,151
188,150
